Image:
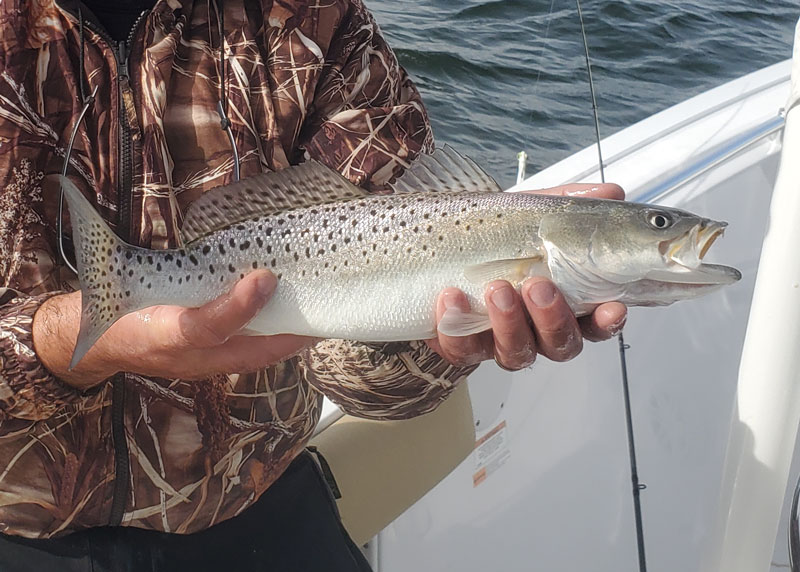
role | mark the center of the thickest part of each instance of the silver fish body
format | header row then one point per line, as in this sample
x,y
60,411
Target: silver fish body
x,y
369,267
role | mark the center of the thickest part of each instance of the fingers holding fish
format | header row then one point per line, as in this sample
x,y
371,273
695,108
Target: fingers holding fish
x,y
558,336
513,340
605,322
460,350
588,190
213,323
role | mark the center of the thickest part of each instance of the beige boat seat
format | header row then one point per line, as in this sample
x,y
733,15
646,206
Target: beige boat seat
x,y
384,467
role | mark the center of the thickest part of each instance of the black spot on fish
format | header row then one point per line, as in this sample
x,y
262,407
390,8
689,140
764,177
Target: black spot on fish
x,y
245,245
288,248
231,268
211,268
259,242
179,263
206,249
272,263
221,248
255,264
232,242
170,278
158,267
149,259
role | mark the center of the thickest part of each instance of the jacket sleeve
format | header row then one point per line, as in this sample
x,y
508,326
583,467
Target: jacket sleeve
x,y
30,273
368,122
28,391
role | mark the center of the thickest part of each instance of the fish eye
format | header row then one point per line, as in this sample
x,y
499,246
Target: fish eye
x,y
659,220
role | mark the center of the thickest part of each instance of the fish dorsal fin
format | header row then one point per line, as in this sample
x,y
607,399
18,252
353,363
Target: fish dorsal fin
x,y
446,170
308,184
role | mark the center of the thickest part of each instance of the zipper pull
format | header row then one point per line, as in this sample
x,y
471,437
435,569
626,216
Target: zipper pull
x,y
122,59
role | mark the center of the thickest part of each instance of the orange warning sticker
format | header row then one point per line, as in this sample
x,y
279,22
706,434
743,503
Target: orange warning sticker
x,y
491,452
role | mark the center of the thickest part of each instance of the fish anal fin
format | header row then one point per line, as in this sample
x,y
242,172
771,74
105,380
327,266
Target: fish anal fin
x,y
305,185
457,323
514,270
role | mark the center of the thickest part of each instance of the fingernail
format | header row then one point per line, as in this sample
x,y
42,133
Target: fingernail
x,y
542,294
452,300
503,298
617,326
265,285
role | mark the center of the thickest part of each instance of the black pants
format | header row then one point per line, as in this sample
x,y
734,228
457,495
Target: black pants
x,y
294,527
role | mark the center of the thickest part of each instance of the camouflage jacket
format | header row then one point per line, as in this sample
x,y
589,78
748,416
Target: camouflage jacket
x,y
303,79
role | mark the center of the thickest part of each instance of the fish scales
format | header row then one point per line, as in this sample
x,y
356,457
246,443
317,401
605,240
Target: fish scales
x,y
347,269
369,267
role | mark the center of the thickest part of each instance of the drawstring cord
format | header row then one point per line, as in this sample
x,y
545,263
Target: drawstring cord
x,y
222,103
87,103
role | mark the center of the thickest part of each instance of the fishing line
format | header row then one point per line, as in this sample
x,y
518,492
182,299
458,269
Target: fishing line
x,y
537,57
637,487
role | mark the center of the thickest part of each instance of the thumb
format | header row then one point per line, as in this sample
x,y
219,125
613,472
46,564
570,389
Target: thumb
x,y
213,323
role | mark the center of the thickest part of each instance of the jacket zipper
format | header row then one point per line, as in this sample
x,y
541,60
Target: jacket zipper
x,y
121,458
124,186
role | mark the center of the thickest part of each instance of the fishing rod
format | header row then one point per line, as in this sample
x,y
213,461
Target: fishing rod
x,y
637,487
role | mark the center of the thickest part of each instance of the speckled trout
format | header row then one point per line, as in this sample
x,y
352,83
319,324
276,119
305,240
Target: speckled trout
x,y
369,267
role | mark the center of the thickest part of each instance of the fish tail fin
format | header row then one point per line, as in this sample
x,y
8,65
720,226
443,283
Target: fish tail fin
x,y
102,259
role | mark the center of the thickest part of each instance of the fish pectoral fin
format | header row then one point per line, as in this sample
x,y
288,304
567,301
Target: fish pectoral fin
x,y
514,270
457,323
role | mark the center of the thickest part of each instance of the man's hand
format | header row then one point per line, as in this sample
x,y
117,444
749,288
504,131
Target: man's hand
x,y
535,321
166,341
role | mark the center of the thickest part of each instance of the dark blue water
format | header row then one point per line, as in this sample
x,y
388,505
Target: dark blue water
x,y
509,75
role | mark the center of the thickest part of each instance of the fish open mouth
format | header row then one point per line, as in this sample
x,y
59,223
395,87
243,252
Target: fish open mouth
x,y
683,257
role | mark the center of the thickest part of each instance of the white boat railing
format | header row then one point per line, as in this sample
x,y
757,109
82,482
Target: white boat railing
x,y
764,425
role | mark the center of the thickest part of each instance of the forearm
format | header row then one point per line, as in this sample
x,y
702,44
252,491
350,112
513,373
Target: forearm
x,y
55,331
